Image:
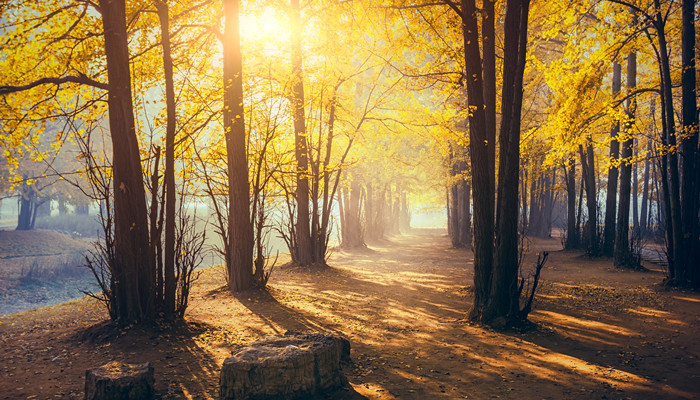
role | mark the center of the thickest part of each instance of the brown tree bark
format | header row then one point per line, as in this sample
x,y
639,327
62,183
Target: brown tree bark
x,y
132,275
169,174
303,229
689,146
572,233
504,300
672,196
611,195
240,246
588,176
623,254
481,166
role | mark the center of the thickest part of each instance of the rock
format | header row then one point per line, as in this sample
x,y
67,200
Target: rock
x,y
119,381
290,366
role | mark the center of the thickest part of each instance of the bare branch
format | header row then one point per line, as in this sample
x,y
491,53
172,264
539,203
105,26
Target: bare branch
x,y
81,79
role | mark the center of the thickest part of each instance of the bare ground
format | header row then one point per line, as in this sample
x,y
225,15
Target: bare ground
x,y
599,333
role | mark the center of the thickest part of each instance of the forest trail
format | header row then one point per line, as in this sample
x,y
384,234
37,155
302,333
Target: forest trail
x,y
600,332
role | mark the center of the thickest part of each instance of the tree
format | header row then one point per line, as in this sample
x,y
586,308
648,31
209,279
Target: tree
x,y
240,250
623,254
611,194
690,149
495,287
304,250
504,301
169,175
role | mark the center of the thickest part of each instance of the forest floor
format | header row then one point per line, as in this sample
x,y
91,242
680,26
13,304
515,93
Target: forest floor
x,y
599,333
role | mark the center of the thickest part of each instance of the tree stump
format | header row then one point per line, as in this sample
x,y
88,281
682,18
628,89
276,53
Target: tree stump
x,y
117,381
292,366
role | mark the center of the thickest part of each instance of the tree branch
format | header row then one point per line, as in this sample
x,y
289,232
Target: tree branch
x,y
80,79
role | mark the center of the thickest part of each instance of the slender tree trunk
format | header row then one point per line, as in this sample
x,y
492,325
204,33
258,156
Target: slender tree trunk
x,y
370,213
239,225
666,194
635,188
132,275
549,203
523,197
534,205
644,217
588,176
303,230
327,196
169,262
623,255
611,195
572,240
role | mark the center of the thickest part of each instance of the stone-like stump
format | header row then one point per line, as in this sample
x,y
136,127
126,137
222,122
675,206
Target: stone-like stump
x,y
119,381
288,367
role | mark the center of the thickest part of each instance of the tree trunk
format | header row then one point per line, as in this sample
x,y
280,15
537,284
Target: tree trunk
x,y
488,35
303,230
534,205
351,212
370,213
674,217
132,279
504,301
481,164
405,223
240,246
169,175
635,188
611,195
572,239
588,176
689,147
27,197
644,217
623,254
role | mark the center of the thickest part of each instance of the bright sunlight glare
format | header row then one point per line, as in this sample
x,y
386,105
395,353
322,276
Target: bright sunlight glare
x,y
268,29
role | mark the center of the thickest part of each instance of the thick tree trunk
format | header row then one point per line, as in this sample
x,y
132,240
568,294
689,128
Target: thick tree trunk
x,y
611,195
488,35
481,164
504,301
27,204
623,254
689,146
303,230
674,216
132,277
240,246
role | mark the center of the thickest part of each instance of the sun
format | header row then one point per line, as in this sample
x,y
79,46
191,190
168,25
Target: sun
x,y
265,27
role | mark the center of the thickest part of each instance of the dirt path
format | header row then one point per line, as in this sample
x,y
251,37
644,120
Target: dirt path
x,y
601,333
